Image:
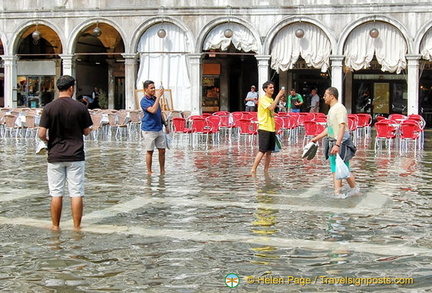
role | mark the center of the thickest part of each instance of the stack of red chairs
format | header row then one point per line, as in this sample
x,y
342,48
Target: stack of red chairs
x,y
422,124
385,131
200,130
311,129
247,128
179,128
213,125
410,130
364,123
226,123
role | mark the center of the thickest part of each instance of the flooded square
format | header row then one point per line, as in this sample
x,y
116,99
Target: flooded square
x,y
208,218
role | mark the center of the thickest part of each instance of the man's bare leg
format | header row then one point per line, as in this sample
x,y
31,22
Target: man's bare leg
x,y
267,162
56,209
258,159
77,211
162,160
337,185
149,157
351,181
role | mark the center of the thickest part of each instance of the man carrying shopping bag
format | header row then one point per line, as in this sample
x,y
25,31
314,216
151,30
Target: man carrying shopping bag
x,y
338,141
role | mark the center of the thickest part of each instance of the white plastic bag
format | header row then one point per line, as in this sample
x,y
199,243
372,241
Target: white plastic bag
x,y
278,144
342,171
168,140
41,148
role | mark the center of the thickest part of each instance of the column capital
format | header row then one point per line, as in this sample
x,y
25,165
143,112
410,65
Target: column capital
x,y
411,57
336,57
9,58
195,58
336,60
130,55
67,56
195,55
262,57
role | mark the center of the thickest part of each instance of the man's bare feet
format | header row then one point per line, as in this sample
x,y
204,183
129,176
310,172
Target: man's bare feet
x,y
55,228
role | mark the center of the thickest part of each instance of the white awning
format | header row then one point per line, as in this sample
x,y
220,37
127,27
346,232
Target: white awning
x,y
426,46
242,39
163,60
389,47
314,48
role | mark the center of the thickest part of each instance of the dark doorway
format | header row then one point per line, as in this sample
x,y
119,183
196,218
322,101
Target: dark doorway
x,y
239,71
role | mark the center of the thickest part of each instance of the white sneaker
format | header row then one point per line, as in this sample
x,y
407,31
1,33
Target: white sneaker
x,y
41,148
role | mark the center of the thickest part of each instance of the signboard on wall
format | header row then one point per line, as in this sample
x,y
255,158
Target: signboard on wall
x,y
37,67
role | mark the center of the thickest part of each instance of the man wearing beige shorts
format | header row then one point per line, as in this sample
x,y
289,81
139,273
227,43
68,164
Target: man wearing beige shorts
x,y
152,125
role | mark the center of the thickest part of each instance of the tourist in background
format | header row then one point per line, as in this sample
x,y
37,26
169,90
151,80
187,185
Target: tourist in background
x,y
294,102
315,100
251,100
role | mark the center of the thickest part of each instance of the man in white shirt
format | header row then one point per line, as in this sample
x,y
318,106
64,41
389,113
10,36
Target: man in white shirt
x,y
251,100
337,131
314,108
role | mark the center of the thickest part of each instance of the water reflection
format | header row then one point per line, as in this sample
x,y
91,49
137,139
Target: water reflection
x,y
207,217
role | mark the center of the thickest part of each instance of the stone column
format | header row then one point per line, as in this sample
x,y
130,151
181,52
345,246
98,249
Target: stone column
x,y
263,71
413,83
195,101
10,81
337,75
130,78
110,97
68,64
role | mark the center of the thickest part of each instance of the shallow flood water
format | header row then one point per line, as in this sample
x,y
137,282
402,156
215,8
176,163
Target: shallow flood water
x,y
208,218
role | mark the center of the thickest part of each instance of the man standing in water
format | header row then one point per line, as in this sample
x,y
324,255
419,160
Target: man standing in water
x,y
63,123
152,125
266,125
338,140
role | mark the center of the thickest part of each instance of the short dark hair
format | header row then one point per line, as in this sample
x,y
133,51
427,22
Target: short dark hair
x,y
333,91
267,83
64,82
147,83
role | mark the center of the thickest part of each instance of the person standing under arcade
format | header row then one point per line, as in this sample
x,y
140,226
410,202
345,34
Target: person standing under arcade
x,y
294,102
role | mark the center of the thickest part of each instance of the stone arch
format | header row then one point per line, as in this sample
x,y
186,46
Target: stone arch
x,y
13,46
393,22
3,43
224,21
421,33
78,30
159,20
275,29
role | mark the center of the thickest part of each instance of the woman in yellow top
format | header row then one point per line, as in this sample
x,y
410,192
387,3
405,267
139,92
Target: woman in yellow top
x,y
266,125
